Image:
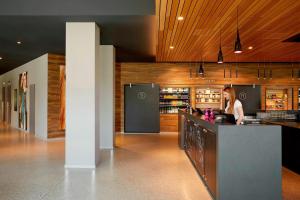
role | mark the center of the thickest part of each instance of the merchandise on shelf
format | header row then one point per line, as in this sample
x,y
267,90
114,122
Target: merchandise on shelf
x,y
299,99
208,98
276,99
172,99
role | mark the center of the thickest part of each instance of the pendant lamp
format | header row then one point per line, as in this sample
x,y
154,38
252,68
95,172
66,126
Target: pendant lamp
x,y
220,54
201,70
237,44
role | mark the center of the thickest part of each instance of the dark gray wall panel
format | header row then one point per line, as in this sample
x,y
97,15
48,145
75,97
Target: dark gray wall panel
x,y
141,113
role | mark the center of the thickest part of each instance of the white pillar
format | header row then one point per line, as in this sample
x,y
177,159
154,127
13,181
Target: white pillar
x,y
82,60
107,96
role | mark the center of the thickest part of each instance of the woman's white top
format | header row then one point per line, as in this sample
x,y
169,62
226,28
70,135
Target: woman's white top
x,y
236,105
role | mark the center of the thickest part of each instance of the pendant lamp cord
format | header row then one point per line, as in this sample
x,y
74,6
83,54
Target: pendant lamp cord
x,y
237,17
220,36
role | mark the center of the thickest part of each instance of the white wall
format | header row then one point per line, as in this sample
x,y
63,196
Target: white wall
x,y
37,74
107,96
97,93
82,46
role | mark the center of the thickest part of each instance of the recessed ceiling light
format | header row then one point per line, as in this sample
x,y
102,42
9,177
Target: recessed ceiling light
x,y
250,47
0,58
171,47
180,18
19,42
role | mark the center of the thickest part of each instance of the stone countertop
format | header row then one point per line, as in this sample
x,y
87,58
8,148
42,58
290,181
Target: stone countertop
x,y
209,124
292,124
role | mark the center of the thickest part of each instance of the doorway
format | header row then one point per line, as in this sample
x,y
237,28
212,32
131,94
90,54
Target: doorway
x,y
3,104
8,104
32,108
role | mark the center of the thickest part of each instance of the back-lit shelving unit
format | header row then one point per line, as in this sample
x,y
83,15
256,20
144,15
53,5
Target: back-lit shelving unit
x,y
299,99
276,99
172,99
209,98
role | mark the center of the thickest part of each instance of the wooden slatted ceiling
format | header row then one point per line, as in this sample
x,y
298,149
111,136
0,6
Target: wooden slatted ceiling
x,y
263,24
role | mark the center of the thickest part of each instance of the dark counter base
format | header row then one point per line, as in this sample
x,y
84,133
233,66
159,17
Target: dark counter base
x,y
234,162
290,144
291,148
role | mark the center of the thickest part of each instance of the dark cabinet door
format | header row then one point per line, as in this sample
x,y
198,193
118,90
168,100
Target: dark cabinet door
x,y
190,140
141,113
210,160
199,150
248,94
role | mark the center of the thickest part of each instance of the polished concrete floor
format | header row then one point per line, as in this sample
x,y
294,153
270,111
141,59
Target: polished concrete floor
x,y
290,185
147,167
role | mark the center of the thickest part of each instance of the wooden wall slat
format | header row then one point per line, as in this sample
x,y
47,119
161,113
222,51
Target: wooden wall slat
x,y
177,75
54,95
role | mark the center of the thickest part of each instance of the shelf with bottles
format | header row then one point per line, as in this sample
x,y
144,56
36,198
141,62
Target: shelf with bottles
x,y
172,90
174,96
275,107
184,103
172,99
173,93
208,97
170,109
276,99
299,99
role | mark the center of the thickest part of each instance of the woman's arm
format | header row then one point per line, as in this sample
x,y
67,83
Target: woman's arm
x,y
241,115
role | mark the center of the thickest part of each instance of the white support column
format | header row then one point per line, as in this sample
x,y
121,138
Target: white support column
x,y
82,61
107,96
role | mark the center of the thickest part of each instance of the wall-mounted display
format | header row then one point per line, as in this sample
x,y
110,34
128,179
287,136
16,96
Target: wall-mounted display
x,y
209,98
15,99
23,88
172,99
276,99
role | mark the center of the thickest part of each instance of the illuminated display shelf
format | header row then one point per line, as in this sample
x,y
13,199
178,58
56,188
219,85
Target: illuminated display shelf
x,y
208,98
172,99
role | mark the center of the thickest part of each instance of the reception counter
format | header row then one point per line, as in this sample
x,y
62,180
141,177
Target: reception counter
x,y
290,144
287,123
234,162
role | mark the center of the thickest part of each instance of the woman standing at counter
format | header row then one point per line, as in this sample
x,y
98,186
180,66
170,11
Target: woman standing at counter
x,y
234,106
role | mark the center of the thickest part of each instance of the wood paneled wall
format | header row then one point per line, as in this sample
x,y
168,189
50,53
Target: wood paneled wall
x,y
178,75
118,98
54,96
